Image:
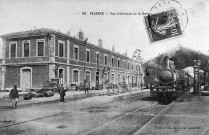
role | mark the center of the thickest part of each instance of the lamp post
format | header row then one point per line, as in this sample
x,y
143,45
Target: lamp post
x,y
196,76
206,76
141,81
97,77
108,71
84,81
108,80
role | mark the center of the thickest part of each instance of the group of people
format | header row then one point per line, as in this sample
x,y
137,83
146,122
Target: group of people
x,y
14,96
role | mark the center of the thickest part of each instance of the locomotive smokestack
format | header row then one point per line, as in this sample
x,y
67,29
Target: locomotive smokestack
x,y
166,61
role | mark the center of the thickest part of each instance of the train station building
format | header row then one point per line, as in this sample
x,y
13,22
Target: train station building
x,y
31,57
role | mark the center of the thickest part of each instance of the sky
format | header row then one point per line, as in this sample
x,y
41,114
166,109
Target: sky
x,y
125,32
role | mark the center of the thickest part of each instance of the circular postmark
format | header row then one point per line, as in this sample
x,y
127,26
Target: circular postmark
x,y
165,5
167,19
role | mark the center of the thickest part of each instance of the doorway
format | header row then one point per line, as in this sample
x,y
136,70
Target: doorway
x,y
97,80
61,75
26,78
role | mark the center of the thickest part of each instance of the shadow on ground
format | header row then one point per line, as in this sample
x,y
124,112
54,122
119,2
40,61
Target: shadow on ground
x,y
149,98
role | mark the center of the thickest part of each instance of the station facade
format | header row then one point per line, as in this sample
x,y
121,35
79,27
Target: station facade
x,y
31,57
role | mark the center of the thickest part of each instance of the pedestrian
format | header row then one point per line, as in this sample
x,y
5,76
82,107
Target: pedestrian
x,y
62,93
141,86
14,96
86,86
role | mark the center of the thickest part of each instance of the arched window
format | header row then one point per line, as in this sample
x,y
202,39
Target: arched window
x,y
88,76
75,77
113,78
118,77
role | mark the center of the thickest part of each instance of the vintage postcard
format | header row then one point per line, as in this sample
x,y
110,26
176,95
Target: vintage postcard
x,y
104,67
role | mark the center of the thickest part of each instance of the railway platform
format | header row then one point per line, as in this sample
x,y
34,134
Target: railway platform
x,y
70,95
187,115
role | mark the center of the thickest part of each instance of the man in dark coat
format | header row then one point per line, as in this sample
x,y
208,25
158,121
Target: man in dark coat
x,y
62,93
14,96
86,86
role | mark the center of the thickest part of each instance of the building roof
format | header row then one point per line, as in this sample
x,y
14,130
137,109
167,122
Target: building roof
x,y
182,57
46,31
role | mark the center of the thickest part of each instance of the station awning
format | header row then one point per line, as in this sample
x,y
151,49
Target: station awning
x,y
181,56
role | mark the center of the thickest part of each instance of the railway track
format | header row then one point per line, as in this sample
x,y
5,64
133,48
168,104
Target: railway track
x,y
104,129
123,116
154,118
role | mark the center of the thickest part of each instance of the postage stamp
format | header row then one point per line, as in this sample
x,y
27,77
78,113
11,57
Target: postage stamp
x,y
167,19
163,25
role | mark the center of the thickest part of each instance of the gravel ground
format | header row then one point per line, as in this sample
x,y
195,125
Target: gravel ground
x,y
75,117
188,115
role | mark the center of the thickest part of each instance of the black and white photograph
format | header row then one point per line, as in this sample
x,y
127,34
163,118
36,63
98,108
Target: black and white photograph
x,y
104,67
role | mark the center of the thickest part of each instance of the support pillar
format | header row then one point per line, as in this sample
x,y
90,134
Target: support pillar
x,y
52,71
196,79
3,69
68,75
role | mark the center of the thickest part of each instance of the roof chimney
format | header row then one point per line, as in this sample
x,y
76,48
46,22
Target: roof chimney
x,y
80,35
100,43
113,48
68,32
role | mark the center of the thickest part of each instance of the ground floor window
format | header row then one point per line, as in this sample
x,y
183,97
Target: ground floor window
x,y
112,78
88,76
118,77
75,76
124,78
105,76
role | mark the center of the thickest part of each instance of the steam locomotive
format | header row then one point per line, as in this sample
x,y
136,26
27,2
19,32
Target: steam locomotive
x,y
169,83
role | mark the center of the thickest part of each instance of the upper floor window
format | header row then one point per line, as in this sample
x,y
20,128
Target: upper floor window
x,y
61,45
13,49
76,52
118,63
105,60
97,58
26,48
112,61
132,66
40,44
40,47
87,55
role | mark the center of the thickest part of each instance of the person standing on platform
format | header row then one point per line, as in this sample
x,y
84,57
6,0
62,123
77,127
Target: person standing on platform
x,y
62,93
14,96
141,86
86,86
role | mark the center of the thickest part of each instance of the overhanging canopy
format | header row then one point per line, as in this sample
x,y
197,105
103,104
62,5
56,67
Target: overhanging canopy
x,y
181,56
